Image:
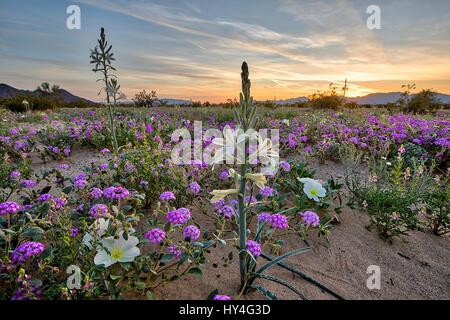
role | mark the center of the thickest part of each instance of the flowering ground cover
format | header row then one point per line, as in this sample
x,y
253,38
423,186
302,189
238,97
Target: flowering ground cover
x,y
133,224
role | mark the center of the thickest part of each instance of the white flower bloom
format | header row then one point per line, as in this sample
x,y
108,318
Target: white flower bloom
x,y
117,250
258,178
313,189
220,194
266,152
306,180
227,145
97,229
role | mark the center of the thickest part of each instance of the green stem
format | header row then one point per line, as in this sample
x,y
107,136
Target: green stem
x,y
113,129
242,228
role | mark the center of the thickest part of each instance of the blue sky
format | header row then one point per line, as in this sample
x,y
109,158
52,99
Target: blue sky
x,y
193,49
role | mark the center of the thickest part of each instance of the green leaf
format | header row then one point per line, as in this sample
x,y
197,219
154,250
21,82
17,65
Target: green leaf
x,y
44,208
67,190
284,283
33,232
45,190
166,258
150,295
269,294
46,253
196,271
127,208
230,255
197,244
140,285
281,258
258,232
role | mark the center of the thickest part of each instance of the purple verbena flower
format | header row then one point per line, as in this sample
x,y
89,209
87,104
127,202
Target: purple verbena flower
x,y
254,248
116,192
58,203
25,251
194,187
278,221
15,174
95,193
179,216
285,166
264,217
63,166
9,207
223,175
221,297
74,232
186,212
29,184
155,235
191,232
166,196
45,197
310,218
80,184
103,166
173,250
98,211
227,211
266,191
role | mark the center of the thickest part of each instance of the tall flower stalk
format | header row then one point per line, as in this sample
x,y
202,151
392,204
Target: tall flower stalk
x,y
247,179
102,57
246,116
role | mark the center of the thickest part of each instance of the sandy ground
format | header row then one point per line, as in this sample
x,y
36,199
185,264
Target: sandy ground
x,y
416,267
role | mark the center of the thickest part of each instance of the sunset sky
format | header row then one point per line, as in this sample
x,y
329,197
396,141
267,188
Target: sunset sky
x,y
194,49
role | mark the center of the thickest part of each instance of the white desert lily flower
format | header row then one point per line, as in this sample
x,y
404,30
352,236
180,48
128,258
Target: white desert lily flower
x,y
258,178
97,230
228,145
220,194
117,250
313,189
266,152
236,176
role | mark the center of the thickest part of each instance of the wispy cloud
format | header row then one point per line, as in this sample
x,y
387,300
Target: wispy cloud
x,y
194,49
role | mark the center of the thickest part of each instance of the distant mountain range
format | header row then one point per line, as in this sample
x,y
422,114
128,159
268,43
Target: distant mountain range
x,y
383,98
291,101
7,91
173,102
372,98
